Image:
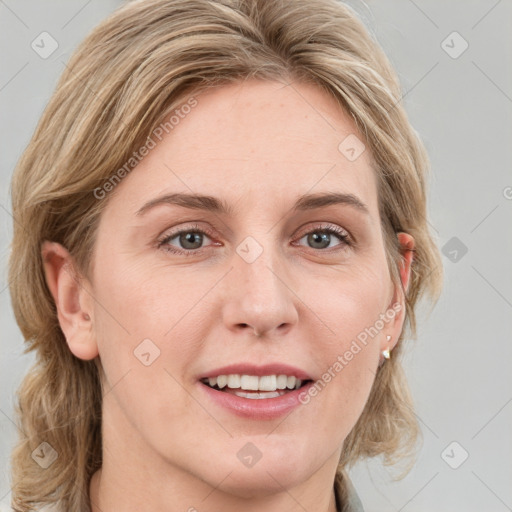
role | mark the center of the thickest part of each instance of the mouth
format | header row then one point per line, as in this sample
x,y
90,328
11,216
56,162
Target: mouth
x,y
256,387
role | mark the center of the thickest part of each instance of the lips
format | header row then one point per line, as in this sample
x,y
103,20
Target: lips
x,y
252,388
255,405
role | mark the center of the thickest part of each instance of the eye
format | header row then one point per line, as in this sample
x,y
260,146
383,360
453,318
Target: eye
x,y
321,237
189,239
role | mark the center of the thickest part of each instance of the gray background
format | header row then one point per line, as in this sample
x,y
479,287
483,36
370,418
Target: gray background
x,y
459,367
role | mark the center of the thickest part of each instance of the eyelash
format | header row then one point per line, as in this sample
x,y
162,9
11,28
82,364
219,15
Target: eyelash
x,y
333,230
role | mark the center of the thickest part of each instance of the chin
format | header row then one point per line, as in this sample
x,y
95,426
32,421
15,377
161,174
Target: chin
x,y
260,467
262,481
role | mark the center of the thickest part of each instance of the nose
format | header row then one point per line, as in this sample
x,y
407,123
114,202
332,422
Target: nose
x,y
259,298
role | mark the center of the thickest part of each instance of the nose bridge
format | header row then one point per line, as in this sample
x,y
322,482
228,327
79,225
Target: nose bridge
x,y
259,278
260,298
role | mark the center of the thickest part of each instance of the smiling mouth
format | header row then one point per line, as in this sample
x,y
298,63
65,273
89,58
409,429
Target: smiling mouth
x,y
255,387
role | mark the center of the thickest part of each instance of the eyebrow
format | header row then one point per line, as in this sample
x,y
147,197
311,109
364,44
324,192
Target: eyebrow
x,y
213,204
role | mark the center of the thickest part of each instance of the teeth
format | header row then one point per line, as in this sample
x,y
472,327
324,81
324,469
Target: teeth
x,y
268,383
222,381
264,394
255,383
249,382
234,381
281,381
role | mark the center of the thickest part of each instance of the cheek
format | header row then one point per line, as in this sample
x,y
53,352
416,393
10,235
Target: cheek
x,y
350,301
349,352
147,331
134,302
147,295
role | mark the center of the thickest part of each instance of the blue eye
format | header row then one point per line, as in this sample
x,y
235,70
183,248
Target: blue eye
x,y
192,238
322,235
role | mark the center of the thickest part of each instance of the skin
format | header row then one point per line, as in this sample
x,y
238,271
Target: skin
x,y
258,146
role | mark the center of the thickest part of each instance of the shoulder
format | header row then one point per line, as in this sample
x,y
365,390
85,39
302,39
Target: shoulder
x,y
354,503
347,494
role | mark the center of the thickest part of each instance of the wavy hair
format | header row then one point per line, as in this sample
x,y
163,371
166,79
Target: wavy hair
x,y
136,67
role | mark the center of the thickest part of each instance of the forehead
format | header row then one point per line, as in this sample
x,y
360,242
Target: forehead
x,y
265,142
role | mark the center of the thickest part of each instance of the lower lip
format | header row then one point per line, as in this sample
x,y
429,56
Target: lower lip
x,y
261,408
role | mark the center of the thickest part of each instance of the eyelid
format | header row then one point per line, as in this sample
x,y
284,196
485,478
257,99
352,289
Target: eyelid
x,y
191,228
324,226
347,241
345,238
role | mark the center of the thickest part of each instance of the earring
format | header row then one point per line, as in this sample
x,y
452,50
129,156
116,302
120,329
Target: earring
x,y
385,352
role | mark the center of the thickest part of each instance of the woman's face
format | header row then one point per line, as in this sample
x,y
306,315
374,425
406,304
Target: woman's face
x,y
254,257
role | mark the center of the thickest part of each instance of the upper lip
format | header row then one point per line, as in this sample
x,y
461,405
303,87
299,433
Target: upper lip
x,y
260,371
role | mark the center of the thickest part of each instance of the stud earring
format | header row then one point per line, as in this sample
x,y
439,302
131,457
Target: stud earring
x,y
386,353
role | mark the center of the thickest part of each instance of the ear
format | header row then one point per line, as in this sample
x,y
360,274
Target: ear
x,y
73,302
398,302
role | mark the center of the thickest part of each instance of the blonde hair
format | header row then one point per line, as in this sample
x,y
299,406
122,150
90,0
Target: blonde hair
x,y
129,74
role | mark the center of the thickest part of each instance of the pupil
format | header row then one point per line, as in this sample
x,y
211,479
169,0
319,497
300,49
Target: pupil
x,y
189,238
324,237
